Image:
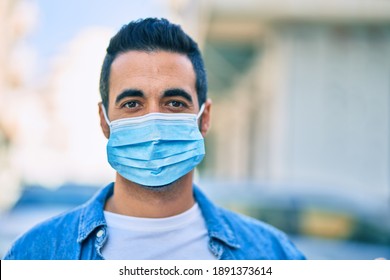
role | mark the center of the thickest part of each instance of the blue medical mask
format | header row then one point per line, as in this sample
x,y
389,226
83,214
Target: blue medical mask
x,y
155,149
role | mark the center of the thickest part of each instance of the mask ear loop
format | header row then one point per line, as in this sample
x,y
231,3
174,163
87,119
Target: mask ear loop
x,y
200,112
199,116
105,115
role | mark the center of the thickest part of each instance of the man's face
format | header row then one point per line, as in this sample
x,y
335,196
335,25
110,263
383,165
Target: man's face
x,y
149,82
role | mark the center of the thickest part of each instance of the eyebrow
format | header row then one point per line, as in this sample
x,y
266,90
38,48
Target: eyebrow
x,y
168,93
129,93
178,92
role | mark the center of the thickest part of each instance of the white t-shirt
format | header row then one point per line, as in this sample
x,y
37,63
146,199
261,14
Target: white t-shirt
x,y
180,237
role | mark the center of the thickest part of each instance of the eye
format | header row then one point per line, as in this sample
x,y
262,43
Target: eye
x,y
131,104
176,104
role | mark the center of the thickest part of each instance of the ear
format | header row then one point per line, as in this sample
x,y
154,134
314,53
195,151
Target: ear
x,y
206,118
103,123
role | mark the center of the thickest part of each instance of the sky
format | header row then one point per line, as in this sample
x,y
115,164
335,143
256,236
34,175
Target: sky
x,y
59,21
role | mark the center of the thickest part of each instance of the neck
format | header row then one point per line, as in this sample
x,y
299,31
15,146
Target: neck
x,y
131,199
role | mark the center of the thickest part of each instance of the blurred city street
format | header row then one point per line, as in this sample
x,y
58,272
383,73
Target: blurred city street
x,y
300,134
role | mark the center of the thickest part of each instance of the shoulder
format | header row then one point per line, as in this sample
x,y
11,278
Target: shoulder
x,y
60,237
44,240
262,239
247,237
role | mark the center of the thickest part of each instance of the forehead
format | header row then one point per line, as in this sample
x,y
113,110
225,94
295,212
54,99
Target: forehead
x,y
151,72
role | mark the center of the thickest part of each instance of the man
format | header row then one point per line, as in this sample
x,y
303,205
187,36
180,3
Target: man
x,y
155,113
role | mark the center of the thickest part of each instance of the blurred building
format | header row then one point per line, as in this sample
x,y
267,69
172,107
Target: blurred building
x,y
49,127
301,93
74,144
17,19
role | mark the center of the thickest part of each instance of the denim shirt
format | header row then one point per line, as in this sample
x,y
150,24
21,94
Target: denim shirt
x,y
82,232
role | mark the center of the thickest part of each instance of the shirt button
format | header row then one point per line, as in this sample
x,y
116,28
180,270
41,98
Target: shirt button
x,y
100,233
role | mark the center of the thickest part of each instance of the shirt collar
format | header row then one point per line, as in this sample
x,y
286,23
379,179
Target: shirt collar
x,y
92,215
217,225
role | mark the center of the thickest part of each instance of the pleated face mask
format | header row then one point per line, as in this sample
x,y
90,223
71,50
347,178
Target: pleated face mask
x,y
155,149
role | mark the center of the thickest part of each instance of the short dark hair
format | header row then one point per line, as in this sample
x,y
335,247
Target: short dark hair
x,y
152,34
